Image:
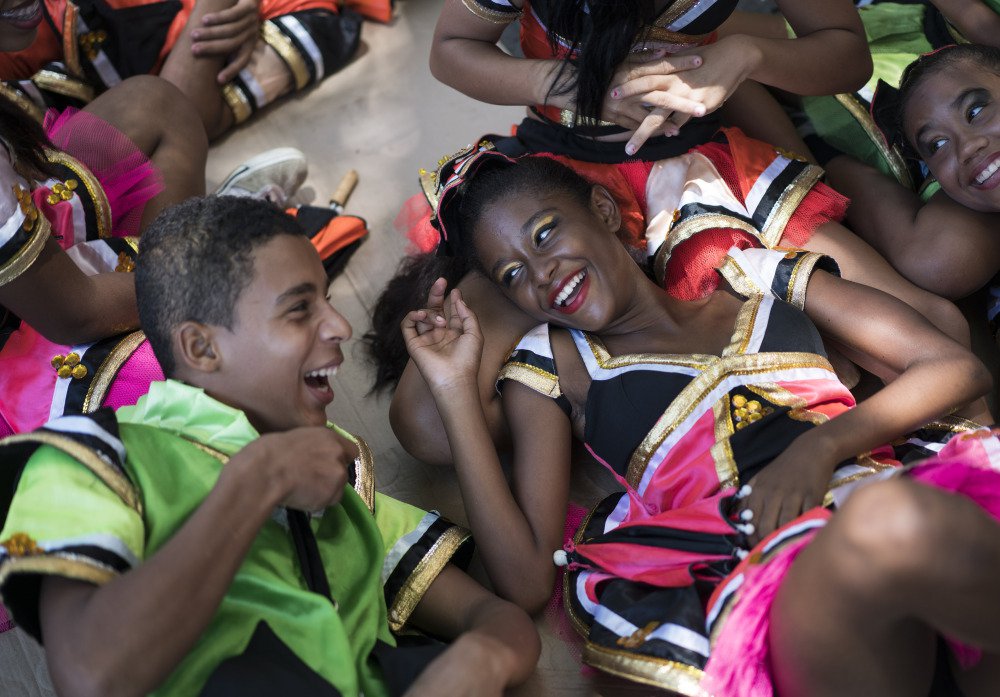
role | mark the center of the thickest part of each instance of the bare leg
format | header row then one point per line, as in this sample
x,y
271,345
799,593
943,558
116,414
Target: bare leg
x,y
413,413
196,76
165,126
860,610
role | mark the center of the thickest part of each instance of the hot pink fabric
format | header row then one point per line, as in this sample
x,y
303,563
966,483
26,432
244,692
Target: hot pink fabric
x,y
740,660
127,176
134,378
5,621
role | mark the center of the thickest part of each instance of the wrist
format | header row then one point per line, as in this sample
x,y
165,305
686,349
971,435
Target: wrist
x,y
554,74
751,54
253,479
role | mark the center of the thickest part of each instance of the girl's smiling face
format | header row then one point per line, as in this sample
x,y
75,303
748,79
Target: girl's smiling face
x,y
556,258
952,118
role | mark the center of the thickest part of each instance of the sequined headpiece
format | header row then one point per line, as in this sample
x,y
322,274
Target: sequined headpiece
x,y
443,188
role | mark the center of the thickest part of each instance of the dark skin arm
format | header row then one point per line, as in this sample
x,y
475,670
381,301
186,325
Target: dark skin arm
x,y
125,637
936,375
939,245
65,305
977,22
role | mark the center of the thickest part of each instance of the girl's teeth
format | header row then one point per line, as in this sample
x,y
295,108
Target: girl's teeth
x,y
988,172
569,288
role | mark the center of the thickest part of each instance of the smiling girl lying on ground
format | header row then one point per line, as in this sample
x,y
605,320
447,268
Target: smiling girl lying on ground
x,y
727,429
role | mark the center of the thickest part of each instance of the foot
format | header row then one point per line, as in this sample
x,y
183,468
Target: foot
x,y
274,175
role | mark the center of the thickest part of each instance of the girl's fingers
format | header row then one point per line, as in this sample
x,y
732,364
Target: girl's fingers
x,y
238,62
435,296
652,124
654,69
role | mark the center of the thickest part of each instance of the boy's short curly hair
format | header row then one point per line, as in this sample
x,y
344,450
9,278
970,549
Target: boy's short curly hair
x,y
195,260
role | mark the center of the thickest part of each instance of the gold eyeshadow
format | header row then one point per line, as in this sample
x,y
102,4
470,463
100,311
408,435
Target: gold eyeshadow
x,y
502,271
542,223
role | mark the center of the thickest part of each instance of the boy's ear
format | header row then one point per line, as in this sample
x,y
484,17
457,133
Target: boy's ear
x,y
604,204
195,347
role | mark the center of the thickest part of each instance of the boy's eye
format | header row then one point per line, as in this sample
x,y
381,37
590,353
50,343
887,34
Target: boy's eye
x,y
974,111
299,308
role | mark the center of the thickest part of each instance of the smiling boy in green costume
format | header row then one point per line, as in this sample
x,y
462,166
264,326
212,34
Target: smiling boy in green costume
x,y
220,537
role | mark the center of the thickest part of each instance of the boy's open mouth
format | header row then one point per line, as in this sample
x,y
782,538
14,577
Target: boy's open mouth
x,y
320,381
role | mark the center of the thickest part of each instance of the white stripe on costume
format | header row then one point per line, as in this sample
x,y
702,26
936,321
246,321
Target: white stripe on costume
x,y
727,591
295,27
672,633
255,89
404,543
87,427
764,181
617,516
102,540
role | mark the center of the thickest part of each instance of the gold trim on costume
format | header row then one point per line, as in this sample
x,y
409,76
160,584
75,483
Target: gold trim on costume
x,y
132,242
578,624
788,201
492,16
27,254
648,670
112,478
955,424
890,153
237,102
423,575
746,318
689,227
102,209
781,397
78,568
570,119
673,13
29,107
722,449
530,376
696,391
63,84
109,368
799,280
288,52
605,360
364,472
71,47
655,33
738,279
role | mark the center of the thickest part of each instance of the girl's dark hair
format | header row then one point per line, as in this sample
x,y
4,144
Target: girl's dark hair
x,y
24,139
929,64
409,287
621,22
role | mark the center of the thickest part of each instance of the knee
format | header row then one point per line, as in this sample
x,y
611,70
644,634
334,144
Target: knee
x,y
882,537
158,105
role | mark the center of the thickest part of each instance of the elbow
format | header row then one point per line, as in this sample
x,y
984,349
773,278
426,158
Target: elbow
x,y
980,378
85,680
531,594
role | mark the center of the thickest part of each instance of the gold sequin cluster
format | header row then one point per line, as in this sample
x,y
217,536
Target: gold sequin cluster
x,y
638,637
125,263
27,206
69,366
21,545
91,42
746,411
62,191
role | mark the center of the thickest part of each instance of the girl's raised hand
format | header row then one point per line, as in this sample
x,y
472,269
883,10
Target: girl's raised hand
x,y
631,110
447,346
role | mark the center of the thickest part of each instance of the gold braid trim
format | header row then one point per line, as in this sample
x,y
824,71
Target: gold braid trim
x,y
788,202
63,84
658,672
77,568
29,107
287,51
890,152
427,570
26,256
109,368
110,475
237,102
102,209
492,16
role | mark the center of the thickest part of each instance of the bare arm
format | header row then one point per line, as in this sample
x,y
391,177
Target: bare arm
x,y
124,638
977,22
67,306
939,245
936,375
517,531
497,645
465,55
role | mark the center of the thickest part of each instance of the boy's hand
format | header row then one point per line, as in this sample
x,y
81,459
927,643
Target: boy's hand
x,y
305,468
232,33
447,351
473,666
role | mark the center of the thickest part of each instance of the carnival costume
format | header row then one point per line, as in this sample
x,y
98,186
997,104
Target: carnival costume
x,y
863,124
660,574
85,47
136,479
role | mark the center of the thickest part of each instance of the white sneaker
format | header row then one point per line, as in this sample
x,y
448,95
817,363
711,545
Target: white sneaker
x,y
274,175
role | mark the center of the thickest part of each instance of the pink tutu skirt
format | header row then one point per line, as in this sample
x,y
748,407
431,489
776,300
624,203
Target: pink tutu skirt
x,y
739,665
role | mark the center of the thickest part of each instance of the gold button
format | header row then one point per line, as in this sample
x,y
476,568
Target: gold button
x,y
57,360
71,184
754,416
66,194
740,413
739,401
64,371
53,199
80,372
72,359
741,425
